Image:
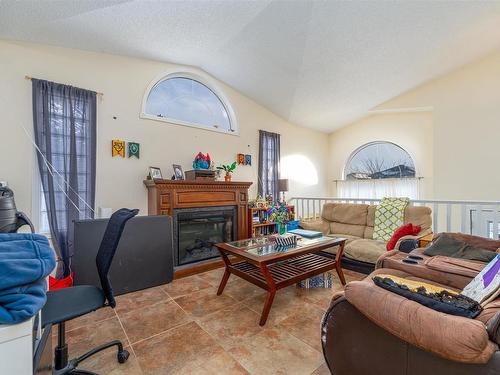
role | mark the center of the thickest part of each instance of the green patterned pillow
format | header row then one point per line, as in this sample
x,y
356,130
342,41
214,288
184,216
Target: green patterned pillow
x,y
389,216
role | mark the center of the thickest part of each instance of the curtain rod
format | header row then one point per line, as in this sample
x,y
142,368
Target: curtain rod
x,y
98,93
378,179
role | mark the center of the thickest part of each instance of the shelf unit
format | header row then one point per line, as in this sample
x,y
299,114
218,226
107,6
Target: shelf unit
x,y
261,228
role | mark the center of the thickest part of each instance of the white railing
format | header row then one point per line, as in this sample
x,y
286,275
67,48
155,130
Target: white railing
x,y
472,217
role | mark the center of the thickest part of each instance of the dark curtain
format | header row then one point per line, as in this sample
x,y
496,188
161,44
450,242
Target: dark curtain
x,y
269,164
64,119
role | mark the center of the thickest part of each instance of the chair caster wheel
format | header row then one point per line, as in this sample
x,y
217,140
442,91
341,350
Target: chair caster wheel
x,y
123,356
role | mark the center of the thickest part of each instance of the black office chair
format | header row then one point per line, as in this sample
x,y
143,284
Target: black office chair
x,y
69,303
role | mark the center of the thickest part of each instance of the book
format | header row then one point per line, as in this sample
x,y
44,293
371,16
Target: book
x,y
306,233
485,287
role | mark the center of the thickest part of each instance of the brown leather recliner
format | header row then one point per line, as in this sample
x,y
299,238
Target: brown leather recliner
x,y
368,330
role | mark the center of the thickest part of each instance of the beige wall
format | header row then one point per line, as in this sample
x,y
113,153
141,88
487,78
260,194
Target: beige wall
x,y
411,131
124,81
466,128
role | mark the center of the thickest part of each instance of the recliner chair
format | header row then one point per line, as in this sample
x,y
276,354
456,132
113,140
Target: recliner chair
x,y
69,303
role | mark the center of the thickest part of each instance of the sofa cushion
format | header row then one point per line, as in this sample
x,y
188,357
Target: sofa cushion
x,y
333,250
345,213
365,250
452,337
316,225
348,229
419,215
370,216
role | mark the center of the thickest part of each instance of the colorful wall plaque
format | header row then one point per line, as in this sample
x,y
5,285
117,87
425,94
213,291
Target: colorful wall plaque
x,y
118,148
133,149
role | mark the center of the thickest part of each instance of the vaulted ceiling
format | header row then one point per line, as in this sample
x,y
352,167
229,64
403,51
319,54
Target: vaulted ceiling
x,y
320,64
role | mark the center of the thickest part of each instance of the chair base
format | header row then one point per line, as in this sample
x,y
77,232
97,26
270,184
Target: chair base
x,y
64,366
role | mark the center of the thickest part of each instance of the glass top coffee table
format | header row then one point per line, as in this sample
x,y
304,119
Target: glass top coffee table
x,y
262,262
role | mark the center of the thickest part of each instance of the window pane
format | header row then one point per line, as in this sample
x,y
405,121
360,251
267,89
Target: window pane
x,y
187,100
380,160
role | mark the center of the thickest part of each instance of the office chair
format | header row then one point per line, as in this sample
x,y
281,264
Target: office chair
x,y
69,303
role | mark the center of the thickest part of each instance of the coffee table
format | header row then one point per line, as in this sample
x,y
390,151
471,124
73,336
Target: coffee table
x,y
271,267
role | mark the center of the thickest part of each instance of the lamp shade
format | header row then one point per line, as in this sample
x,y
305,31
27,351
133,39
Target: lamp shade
x,y
283,184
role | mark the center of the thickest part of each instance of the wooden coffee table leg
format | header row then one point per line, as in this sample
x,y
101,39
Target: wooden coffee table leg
x,y
338,263
223,282
226,275
270,294
338,268
267,307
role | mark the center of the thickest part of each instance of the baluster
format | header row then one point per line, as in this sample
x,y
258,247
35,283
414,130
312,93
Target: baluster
x,y
495,222
463,218
435,217
448,217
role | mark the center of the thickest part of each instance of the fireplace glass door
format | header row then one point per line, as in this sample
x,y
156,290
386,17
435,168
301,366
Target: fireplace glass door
x,y
198,230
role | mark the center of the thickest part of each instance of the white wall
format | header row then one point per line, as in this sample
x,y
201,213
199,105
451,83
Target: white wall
x,y
123,82
466,129
411,131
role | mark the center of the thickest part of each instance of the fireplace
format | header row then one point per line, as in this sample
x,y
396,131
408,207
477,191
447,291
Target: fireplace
x,y
197,230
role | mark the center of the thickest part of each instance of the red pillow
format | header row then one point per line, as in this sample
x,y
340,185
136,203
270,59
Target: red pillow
x,y
405,230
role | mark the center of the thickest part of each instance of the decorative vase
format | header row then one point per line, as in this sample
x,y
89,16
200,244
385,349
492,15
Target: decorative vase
x,y
281,228
228,177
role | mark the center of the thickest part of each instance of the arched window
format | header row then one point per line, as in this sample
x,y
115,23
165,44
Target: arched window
x,y
186,99
377,170
378,160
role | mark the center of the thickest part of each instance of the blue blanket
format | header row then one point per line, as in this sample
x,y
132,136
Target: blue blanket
x,y
25,262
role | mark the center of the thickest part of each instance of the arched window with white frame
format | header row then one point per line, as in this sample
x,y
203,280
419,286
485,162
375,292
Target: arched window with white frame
x,y
377,170
190,100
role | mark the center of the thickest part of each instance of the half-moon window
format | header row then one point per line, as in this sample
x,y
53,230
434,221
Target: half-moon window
x,y
377,160
187,101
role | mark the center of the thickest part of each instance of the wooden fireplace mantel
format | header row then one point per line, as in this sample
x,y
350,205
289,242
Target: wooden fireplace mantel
x,y
164,196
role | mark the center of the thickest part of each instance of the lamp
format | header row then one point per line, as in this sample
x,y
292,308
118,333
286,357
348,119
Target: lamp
x,y
283,187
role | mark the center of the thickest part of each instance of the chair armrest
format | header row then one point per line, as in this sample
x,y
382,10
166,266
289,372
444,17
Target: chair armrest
x,y
317,225
410,237
452,337
493,328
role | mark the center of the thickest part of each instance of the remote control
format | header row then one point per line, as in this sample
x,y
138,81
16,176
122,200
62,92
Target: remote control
x,y
415,257
410,261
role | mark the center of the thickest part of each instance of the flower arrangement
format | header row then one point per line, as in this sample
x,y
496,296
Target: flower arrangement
x,y
280,214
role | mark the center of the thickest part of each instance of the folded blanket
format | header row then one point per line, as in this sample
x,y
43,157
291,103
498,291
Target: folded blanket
x,y
25,262
24,259
20,303
451,247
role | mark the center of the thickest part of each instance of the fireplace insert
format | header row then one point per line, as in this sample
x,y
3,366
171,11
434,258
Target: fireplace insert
x,y
197,230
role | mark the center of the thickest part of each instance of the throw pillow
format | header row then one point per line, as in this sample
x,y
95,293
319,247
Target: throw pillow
x,y
405,230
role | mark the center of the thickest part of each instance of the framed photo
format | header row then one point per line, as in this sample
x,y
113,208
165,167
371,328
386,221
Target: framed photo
x,y
178,173
155,173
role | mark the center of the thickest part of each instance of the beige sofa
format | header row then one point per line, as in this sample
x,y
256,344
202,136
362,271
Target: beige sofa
x,y
356,221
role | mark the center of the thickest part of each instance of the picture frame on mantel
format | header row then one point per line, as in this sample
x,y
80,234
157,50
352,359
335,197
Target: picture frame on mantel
x,y
178,172
155,173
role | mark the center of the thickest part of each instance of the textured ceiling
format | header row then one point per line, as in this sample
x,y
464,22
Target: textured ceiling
x,y
317,64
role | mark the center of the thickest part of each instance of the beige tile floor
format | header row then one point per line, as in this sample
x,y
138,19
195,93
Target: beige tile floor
x,y
185,328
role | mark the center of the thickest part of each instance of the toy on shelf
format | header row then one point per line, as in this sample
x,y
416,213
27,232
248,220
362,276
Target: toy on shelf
x,y
202,161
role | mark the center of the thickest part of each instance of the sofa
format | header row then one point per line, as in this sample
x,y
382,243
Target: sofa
x,y
355,222
394,335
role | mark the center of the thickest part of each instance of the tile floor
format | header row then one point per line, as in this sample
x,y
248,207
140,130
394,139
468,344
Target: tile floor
x,y
185,328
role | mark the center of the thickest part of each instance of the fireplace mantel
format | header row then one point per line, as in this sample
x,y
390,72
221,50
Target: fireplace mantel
x,y
164,196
